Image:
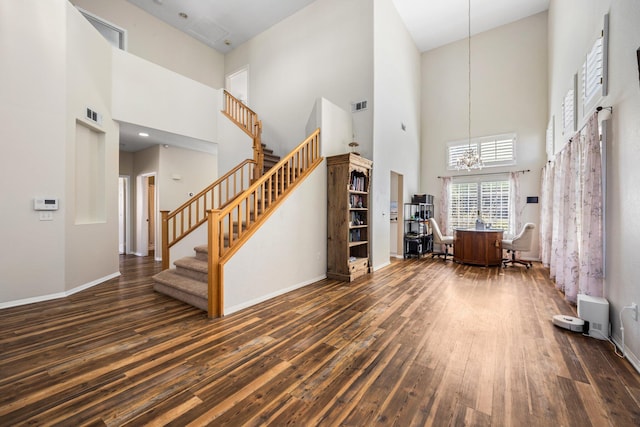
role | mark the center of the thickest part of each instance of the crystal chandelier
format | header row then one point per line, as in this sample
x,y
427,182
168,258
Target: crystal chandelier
x,y
470,158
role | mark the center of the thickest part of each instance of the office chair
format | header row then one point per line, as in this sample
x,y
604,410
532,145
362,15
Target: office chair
x,y
439,239
522,242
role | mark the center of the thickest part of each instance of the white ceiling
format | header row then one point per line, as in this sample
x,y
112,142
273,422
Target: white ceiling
x,y
434,23
225,24
218,22
130,140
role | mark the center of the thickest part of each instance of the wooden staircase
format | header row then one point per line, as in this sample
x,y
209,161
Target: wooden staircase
x,y
269,159
234,211
188,282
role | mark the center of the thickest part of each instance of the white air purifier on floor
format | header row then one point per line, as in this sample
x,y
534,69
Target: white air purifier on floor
x,y
595,311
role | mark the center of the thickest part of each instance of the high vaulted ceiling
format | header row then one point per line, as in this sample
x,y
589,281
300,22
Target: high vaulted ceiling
x,y
221,24
436,23
225,24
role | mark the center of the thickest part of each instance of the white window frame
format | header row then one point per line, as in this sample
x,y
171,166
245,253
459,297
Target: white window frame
x,y
594,71
489,147
485,211
550,138
569,113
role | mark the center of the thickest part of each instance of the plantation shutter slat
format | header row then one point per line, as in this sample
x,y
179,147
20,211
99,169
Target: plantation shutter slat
x,y
494,151
491,198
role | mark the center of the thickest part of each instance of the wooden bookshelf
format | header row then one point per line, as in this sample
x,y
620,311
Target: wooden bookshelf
x,y
348,244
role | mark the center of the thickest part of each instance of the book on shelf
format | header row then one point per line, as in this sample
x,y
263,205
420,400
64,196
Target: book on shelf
x,y
356,201
357,183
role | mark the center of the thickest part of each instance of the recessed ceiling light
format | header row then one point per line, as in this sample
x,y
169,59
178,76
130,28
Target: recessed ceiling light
x,y
143,134
183,15
227,42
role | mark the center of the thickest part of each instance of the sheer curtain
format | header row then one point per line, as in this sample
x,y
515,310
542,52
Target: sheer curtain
x,y
574,204
591,236
443,205
546,213
516,206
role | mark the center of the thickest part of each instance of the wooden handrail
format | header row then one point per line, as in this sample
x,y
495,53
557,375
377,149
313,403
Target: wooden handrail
x,y
247,120
194,212
236,222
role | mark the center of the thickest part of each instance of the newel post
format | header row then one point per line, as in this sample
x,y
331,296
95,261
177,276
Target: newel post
x,y
214,299
165,240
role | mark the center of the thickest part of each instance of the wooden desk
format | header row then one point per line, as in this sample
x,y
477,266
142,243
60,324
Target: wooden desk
x,y
478,247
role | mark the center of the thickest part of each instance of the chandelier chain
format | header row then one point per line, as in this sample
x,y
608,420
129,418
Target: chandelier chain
x,y
470,158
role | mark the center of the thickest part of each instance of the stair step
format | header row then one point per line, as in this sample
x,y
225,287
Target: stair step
x,y
185,289
193,268
202,252
271,158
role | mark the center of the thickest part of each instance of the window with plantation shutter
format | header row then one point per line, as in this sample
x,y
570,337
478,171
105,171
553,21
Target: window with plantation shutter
x,y
549,138
592,73
569,112
463,208
497,150
489,195
494,203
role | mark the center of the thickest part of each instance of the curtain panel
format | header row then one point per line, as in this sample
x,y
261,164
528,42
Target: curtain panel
x,y
515,206
571,232
443,205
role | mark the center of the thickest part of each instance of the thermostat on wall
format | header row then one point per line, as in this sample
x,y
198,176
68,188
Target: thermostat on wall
x,y
45,204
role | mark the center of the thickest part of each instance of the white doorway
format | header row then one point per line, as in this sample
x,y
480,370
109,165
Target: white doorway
x,y
124,215
146,214
237,84
396,226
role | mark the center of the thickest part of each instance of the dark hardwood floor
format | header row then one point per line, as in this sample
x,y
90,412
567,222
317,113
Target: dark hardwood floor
x,y
421,342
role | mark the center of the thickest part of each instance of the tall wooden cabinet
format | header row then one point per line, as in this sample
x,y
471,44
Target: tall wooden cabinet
x,y
348,233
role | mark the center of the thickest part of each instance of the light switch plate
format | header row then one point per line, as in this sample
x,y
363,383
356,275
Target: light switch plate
x,y
46,216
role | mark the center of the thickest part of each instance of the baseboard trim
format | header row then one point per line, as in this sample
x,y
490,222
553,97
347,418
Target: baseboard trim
x,y
632,358
238,307
58,295
381,266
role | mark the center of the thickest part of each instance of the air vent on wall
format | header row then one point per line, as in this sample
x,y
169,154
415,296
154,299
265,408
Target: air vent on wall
x,y
94,116
358,106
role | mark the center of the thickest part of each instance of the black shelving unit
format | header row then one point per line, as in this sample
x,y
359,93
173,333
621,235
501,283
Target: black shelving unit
x,y
418,237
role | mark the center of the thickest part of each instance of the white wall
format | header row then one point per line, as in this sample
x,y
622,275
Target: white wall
x,y
57,69
336,127
261,269
155,97
145,163
196,170
160,43
235,145
324,50
573,27
396,102
33,105
90,254
508,94
298,228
